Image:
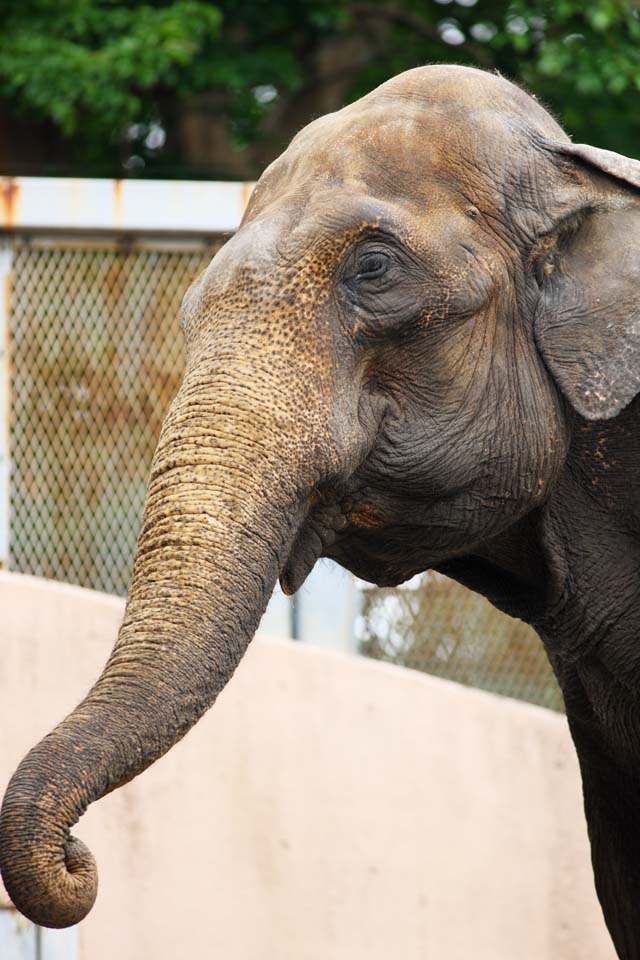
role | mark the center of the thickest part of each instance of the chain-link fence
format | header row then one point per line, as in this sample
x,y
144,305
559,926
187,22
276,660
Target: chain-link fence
x,y
96,358
436,625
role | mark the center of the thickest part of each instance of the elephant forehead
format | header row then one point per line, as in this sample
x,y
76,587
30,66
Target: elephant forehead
x,y
432,124
471,89
369,151
342,175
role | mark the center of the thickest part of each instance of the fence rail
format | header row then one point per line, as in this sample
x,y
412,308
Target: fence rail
x,y
90,357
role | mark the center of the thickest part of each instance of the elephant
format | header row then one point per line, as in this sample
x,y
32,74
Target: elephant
x,y
420,350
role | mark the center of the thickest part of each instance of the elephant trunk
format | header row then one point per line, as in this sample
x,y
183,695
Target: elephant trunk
x,y
227,494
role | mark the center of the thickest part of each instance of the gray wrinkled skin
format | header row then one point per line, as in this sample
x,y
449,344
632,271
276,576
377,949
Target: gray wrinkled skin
x,y
420,350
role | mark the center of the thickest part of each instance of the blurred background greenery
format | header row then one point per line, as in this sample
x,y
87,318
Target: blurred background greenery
x,y
188,88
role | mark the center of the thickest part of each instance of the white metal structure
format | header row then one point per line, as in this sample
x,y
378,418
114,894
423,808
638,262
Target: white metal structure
x,y
21,940
47,204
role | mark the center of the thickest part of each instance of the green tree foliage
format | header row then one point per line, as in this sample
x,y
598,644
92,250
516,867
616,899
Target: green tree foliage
x,y
85,60
116,77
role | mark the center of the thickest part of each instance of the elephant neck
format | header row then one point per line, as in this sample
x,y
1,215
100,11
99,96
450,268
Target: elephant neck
x,y
571,568
589,536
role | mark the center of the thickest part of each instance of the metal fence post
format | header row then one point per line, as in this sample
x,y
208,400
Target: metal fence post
x,y
327,607
6,255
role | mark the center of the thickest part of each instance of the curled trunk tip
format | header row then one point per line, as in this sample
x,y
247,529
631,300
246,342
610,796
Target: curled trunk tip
x,y
51,877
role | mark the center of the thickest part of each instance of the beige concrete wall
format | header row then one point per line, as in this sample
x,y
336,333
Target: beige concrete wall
x,y
327,808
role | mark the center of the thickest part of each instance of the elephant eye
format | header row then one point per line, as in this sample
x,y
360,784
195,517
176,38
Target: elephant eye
x,y
372,265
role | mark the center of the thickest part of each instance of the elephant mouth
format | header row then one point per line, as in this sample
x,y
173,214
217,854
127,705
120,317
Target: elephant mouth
x,y
332,521
326,520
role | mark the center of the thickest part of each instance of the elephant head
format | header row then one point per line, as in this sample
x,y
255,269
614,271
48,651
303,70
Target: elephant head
x,y
382,368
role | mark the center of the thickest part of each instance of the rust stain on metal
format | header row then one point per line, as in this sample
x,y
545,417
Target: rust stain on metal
x,y
246,193
9,193
117,203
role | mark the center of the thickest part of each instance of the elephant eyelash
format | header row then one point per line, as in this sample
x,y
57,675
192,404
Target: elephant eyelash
x,y
372,264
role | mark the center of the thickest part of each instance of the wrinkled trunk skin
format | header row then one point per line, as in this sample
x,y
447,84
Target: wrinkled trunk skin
x,y
229,486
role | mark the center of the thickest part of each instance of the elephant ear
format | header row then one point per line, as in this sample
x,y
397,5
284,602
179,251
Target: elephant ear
x,y
587,323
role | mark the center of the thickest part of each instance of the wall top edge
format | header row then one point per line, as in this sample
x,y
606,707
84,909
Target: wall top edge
x,y
184,206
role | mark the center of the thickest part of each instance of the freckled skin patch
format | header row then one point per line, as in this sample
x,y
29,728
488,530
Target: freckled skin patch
x,y
420,350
